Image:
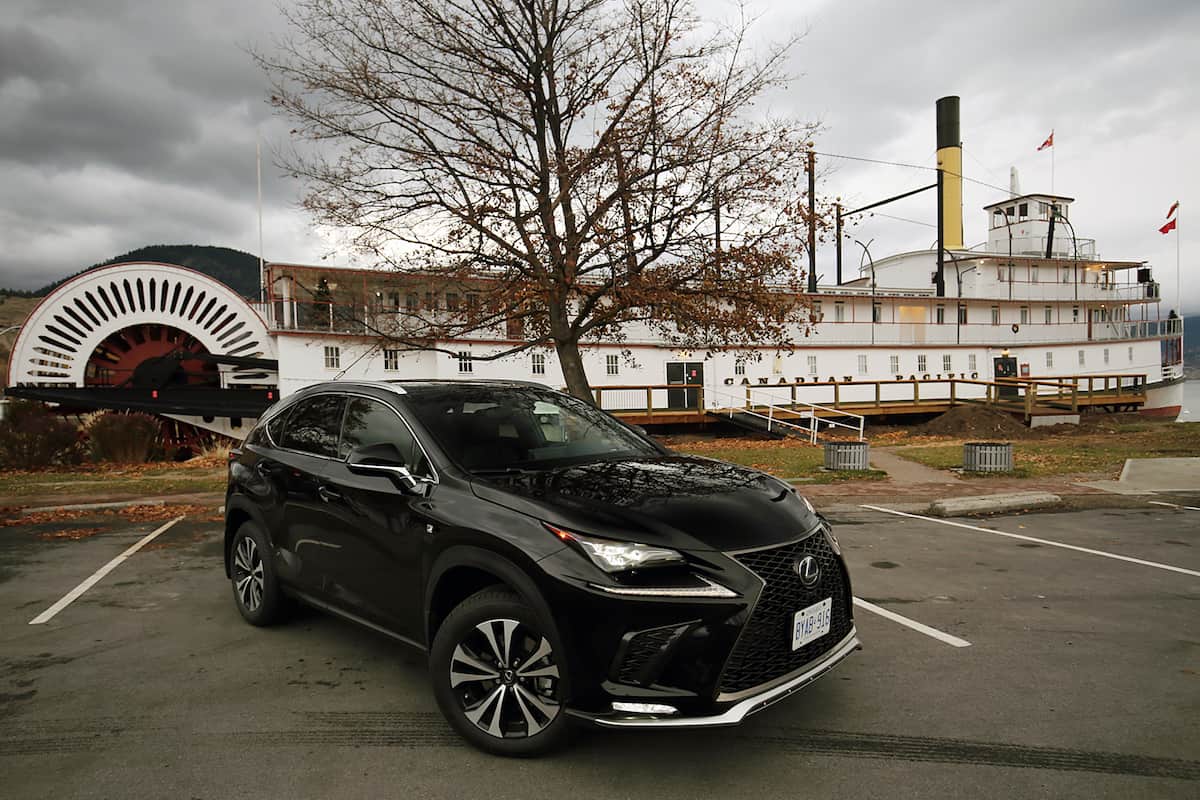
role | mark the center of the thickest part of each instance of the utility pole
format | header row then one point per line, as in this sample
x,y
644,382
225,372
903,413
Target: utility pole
x,y
838,215
812,222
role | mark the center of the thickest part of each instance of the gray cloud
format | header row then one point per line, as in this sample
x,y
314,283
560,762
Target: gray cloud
x,y
127,122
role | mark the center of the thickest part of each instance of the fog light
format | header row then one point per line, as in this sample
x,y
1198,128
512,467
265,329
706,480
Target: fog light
x,y
645,708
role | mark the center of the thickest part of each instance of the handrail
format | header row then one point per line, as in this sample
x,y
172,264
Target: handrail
x,y
748,407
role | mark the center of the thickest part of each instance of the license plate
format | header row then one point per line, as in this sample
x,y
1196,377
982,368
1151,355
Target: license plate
x,y
811,623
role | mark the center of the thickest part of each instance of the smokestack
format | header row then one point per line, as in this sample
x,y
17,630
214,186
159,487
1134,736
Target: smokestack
x,y
1014,182
949,161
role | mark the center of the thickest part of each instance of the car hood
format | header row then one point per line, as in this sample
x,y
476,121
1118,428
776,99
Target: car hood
x,y
682,502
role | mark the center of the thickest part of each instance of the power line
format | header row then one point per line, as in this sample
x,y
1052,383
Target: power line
x,y
913,166
904,219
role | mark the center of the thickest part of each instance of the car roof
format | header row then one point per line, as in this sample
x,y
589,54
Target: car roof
x,y
401,386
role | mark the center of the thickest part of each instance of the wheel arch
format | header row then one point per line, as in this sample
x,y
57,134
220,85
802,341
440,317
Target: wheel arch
x,y
238,511
462,570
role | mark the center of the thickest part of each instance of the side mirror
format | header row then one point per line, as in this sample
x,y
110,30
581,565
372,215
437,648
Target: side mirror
x,y
383,459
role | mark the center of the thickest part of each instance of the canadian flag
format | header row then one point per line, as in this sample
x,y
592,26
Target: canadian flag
x,y
1048,143
1171,219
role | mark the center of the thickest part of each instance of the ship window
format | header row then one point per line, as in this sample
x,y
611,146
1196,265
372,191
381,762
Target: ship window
x,y
947,363
1011,211
1023,211
839,312
1074,313
612,364
465,364
411,301
862,364
1106,355
1049,315
1024,315
895,363
876,312
972,365
391,360
995,315
1044,210
1130,355
1001,275
997,218
1066,274
452,301
1049,359
816,311
472,300
1033,274
394,299
333,357
739,367
941,315
812,365
962,314
538,362
922,363
1082,358
431,301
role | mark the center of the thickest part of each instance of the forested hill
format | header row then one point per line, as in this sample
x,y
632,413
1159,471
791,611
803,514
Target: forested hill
x,y
234,268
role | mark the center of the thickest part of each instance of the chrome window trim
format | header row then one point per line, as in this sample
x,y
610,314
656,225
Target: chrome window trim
x,y
434,478
431,478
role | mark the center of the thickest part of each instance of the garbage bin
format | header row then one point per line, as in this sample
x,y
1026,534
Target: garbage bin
x,y
987,457
847,456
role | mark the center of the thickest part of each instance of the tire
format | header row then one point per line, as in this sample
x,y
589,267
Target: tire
x,y
252,576
471,676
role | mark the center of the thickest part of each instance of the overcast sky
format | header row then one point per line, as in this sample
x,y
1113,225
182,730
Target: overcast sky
x,y
133,122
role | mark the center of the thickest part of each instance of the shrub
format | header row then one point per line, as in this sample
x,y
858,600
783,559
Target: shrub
x,y
31,437
124,438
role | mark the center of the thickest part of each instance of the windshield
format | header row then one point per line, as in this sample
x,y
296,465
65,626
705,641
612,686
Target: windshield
x,y
486,429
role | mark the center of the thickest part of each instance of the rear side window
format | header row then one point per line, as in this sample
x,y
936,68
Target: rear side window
x,y
313,425
369,422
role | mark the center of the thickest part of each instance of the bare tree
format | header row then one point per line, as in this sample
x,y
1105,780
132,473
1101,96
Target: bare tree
x,y
566,159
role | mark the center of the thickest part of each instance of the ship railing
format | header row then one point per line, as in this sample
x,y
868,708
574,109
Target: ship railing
x,y
1137,329
647,401
760,402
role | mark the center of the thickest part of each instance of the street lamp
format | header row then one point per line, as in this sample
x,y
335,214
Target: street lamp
x,y
867,254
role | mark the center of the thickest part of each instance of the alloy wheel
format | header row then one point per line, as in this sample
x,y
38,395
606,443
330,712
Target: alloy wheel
x,y
506,679
248,574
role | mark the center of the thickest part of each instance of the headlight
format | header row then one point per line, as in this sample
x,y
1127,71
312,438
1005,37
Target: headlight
x,y
613,556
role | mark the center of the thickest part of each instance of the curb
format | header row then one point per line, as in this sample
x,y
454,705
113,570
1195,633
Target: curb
x,y
93,506
986,504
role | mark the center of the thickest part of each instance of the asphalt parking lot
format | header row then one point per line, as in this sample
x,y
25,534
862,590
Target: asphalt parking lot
x,y
1058,673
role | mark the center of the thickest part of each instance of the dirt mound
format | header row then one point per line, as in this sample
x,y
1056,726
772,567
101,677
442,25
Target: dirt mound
x,y
974,422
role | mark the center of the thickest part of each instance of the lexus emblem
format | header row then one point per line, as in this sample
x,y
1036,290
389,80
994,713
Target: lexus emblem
x,y
808,570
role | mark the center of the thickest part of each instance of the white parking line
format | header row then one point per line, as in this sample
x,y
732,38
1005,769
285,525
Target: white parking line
x,y
73,595
941,636
1063,545
1171,505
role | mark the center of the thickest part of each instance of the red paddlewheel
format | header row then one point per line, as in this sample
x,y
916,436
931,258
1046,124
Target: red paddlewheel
x,y
114,359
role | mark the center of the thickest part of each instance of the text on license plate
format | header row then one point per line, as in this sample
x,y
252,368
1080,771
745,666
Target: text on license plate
x,y
811,623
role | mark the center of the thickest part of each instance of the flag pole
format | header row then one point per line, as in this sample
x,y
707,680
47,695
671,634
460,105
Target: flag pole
x,y
1052,149
1178,269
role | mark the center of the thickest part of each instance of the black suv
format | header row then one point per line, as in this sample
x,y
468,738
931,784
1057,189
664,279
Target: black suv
x,y
551,560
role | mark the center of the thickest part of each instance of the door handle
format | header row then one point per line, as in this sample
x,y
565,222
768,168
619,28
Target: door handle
x,y
263,469
327,494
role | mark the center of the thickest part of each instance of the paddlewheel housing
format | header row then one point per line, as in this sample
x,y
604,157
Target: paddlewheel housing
x,y
147,336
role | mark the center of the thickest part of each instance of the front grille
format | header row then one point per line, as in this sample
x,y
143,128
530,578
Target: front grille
x,y
764,650
641,657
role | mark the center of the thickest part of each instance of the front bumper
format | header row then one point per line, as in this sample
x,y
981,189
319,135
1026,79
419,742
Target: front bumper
x,y
786,686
